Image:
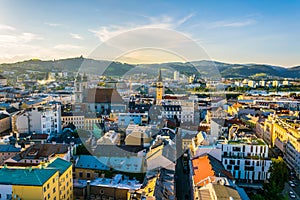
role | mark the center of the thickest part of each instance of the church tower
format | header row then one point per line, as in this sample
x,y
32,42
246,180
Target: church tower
x,y
80,87
159,89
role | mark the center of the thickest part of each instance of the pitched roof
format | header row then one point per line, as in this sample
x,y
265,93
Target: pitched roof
x,y
3,116
205,166
103,95
38,151
12,110
125,164
9,148
224,192
60,164
32,177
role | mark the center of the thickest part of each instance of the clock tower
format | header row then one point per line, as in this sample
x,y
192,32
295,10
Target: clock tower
x,y
159,89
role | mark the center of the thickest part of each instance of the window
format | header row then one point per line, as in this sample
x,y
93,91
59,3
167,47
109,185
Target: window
x,y
229,167
48,186
236,167
54,190
88,175
80,174
44,189
49,196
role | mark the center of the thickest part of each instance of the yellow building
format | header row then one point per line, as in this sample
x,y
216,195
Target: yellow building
x,y
285,135
159,89
31,184
65,180
89,122
51,181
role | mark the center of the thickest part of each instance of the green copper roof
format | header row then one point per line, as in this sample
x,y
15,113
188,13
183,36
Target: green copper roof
x,y
32,177
60,164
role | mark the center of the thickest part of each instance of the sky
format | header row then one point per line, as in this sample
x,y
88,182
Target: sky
x,y
250,31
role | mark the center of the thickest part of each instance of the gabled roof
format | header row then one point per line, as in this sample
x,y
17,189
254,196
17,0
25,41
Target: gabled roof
x,y
38,151
60,164
12,110
205,166
103,95
224,192
30,177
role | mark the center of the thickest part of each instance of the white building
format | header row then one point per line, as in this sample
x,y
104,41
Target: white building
x,y
246,158
41,119
184,109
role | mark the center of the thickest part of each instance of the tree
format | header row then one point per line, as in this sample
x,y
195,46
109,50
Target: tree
x,y
278,176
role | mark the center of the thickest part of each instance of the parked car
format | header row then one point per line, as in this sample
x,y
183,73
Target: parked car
x,y
293,196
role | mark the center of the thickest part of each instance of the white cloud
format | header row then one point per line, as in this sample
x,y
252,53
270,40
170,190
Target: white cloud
x,y
163,22
66,47
16,38
53,24
6,27
76,36
185,19
220,24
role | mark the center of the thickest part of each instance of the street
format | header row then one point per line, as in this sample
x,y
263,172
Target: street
x,y
183,189
295,190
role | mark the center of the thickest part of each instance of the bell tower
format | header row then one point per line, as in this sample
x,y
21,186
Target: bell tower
x,y
159,89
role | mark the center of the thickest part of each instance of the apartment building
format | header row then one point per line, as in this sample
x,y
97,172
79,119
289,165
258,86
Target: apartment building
x,y
246,158
41,119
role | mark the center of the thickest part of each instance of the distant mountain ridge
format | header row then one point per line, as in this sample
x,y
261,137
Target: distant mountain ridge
x,y
112,68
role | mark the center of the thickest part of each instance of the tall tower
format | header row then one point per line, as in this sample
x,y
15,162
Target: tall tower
x,y
159,89
80,87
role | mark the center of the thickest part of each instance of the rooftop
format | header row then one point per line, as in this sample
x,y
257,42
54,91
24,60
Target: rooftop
x,y
207,166
126,164
60,164
38,151
118,181
30,177
247,141
9,148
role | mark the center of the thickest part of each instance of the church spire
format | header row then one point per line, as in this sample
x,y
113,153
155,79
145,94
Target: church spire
x,y
159,76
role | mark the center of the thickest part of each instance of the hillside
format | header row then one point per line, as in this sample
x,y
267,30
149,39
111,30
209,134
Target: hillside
x,y
202,68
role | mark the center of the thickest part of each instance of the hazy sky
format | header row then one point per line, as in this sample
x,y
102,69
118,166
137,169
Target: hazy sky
x,y
253,31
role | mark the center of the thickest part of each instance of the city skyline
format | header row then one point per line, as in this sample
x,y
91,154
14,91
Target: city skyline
x,y
233,32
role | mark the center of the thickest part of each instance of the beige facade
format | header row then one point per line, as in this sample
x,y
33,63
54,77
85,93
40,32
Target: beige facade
x,y
4,122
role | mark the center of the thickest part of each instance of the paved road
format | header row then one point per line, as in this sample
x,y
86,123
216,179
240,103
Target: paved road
x,y
288,188
182,182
